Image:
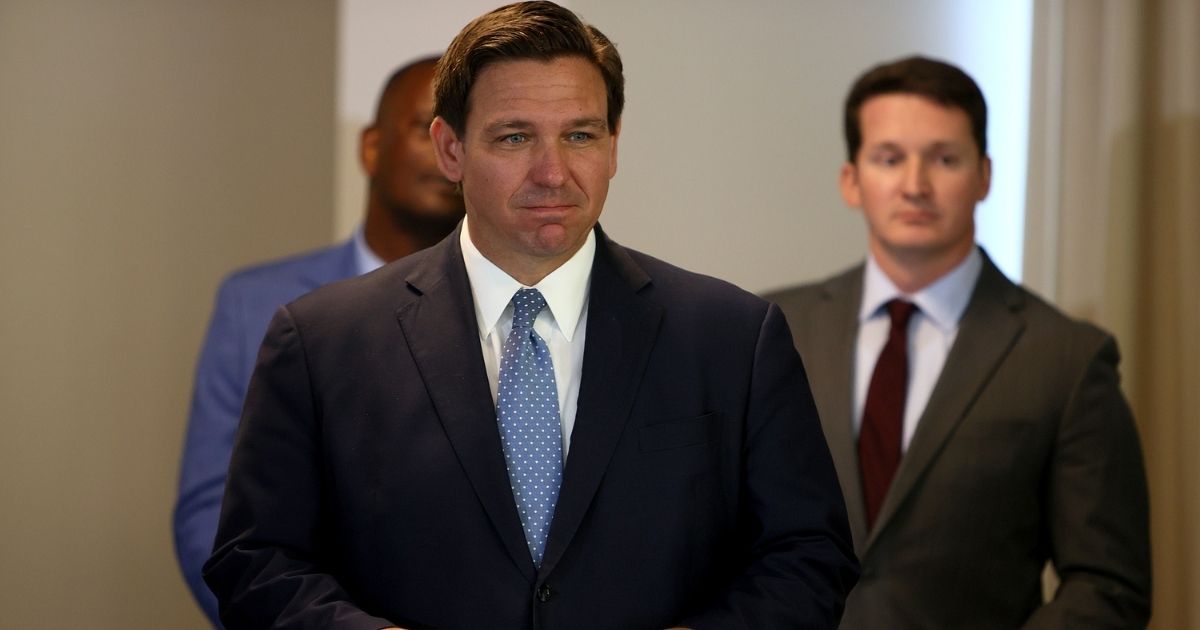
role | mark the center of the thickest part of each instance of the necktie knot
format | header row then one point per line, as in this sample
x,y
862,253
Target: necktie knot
x,y
900,311
527,303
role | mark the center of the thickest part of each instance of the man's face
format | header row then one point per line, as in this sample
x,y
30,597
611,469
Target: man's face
x,y
398,154
917,177
534,160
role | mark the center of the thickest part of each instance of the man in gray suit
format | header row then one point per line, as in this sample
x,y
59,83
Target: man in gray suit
x,y
977,431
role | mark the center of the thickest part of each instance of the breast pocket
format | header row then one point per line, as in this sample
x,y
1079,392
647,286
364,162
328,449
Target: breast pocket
x,y
1002,458
679,433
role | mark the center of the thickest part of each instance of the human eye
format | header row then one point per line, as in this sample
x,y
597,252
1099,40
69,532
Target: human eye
x,y
514,139
949,160
579,137
886,158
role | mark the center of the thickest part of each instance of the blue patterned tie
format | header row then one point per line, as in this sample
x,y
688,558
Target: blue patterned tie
x,y
530,431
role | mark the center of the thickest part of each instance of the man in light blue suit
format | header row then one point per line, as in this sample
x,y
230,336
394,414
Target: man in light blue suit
x,y
410,206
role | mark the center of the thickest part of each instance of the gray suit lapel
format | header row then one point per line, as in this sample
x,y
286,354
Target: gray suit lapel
x,y
831,370
989,329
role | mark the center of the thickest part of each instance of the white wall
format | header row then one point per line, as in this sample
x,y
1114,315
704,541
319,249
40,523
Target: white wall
x,y
731,140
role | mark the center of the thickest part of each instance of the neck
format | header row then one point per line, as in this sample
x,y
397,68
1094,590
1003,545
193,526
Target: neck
x,y
522,267
913,271
527,272
393,234
530,276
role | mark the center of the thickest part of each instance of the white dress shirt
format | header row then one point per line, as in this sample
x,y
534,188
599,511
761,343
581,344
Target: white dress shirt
x,y
562,324
931,332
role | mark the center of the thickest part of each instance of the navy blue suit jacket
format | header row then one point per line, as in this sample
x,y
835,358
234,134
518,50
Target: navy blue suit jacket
x,y
245,302
368,484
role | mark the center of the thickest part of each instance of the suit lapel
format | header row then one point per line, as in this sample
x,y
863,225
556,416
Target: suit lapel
x,y
831,372
621,329
443,336
990,326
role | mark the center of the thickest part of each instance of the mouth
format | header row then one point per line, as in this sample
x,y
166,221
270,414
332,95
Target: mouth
x,y
546,204
916,216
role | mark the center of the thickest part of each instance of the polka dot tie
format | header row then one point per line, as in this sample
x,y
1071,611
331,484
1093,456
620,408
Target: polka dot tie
x,y
530,431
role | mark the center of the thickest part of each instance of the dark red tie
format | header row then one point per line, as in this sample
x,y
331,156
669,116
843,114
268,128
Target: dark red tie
x,y
883,414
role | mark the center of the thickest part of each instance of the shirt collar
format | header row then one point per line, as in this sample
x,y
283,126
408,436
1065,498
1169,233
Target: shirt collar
x,y
943,302
565,288
364,259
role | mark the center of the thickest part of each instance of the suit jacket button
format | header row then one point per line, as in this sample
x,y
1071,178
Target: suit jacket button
x,y
544,593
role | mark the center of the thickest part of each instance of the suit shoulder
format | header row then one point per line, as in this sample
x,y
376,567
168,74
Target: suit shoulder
x,y
1050,339
681,286
321,264
1051,323
364,292
803,296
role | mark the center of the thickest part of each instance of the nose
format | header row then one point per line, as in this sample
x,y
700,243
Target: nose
x,y
916,179
550,167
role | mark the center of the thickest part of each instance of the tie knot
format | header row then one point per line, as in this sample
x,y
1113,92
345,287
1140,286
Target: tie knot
x,y
527,303
900,311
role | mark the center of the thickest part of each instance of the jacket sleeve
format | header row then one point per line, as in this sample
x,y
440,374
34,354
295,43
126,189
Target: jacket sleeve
x,y
266,568
801,563
1098,508
220,387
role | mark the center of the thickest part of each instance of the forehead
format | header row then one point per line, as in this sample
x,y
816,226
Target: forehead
x,y
531,89
912,119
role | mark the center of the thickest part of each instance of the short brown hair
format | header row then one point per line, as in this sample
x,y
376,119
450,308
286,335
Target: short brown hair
x,y
524,30
936,80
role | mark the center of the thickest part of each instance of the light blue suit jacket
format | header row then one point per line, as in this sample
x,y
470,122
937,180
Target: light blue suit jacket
x,y
245,303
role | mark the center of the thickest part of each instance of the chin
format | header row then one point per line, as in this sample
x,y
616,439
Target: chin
x,y
917,238
555,240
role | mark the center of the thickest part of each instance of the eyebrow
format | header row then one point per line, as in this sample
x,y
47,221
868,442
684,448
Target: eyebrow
x,y
590,123
939,145
524,125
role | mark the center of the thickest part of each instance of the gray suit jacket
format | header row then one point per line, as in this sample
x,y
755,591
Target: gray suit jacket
x,y
1026,452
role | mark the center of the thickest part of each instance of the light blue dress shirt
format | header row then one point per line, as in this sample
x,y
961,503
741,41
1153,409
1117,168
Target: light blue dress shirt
x,y
931,333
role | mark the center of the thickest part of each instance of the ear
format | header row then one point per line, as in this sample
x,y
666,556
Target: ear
x,y
612,158
448,149
985,171
368,150
848,183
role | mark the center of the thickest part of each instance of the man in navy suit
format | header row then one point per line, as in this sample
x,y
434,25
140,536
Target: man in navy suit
x,y
382,472
410,206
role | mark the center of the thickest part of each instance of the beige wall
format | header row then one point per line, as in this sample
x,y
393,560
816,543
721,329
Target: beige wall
x,y
146,148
